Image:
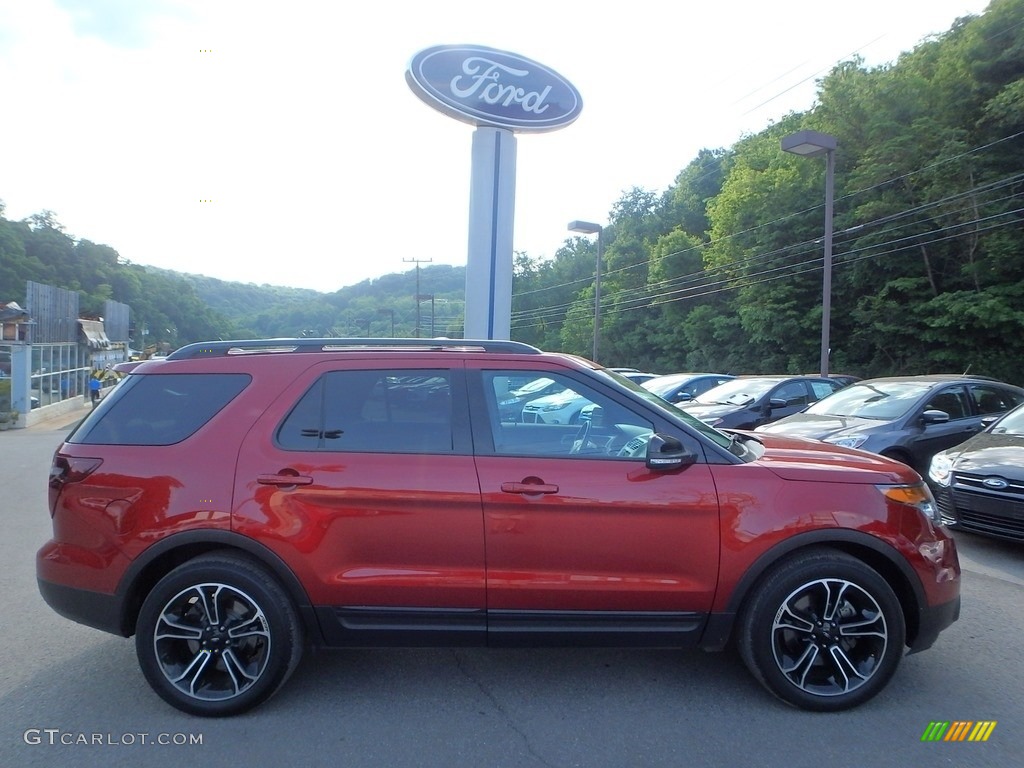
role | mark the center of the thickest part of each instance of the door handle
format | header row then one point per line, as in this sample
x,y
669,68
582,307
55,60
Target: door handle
x,y
284,479
528,488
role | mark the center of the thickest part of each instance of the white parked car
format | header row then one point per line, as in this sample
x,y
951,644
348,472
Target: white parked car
x,y
561,408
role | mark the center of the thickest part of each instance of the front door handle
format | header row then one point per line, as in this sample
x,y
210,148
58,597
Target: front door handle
x,y
528,488
284,479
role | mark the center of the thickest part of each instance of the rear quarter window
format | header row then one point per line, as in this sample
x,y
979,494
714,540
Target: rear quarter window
x,y
391,411
159,409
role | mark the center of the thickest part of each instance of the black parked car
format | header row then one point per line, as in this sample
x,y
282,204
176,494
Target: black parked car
x,y
747,402
907,418
979,484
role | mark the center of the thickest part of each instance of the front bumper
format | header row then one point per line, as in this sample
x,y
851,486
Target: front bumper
x,y
933,619
968,506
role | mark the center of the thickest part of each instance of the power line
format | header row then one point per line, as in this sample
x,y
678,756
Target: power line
x,y
973,192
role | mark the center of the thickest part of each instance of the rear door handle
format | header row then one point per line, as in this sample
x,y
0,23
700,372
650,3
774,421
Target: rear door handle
x,y
528,488
284,479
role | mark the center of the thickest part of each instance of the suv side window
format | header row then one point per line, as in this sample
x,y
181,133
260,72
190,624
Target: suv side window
x,y
391,411
610,427
159,409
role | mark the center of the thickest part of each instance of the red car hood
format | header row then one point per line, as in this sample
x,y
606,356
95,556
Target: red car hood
x,y
798,458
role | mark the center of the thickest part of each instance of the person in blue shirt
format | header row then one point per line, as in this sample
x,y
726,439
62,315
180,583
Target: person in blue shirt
x,y
94,388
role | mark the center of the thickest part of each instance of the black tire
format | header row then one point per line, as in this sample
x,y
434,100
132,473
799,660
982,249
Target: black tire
x,y
217,668
823,631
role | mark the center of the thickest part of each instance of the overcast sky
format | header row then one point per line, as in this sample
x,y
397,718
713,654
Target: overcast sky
x,y
279,142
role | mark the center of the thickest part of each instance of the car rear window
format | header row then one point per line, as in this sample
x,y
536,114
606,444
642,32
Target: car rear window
x,y
159,409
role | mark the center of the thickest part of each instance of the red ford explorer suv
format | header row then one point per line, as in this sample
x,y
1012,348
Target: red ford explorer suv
x,y
239,501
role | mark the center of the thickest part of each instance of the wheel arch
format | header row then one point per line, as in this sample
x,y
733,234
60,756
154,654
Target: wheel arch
x,y
896,453
166,555
874,552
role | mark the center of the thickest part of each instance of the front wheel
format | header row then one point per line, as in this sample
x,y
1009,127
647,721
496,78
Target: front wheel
x,y
217,636
823,632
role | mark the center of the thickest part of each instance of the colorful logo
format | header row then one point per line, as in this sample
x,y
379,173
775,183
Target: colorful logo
x,y
959,730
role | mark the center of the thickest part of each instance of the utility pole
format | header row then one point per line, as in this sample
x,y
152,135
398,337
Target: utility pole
x,y
423,297
417,262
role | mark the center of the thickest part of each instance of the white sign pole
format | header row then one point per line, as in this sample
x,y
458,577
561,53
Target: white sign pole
x,y
501,93
491,216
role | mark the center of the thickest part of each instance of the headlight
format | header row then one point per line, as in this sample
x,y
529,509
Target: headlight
x,y
941,469
917,496
554,407
853,441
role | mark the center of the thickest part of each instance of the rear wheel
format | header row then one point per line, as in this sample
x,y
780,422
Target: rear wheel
x,y
823,632
217,636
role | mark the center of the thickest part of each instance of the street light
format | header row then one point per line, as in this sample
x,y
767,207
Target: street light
x,y
589,228
814,144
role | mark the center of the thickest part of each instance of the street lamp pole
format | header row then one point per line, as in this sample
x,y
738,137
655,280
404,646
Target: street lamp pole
x,y
815,144
590,228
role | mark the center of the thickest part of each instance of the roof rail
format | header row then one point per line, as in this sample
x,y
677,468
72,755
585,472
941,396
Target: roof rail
x,y
268,346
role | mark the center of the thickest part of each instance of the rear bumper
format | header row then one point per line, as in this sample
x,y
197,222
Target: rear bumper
x,y
94,609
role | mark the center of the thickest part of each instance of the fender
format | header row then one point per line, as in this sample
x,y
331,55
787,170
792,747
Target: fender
x,y
130,596
719,628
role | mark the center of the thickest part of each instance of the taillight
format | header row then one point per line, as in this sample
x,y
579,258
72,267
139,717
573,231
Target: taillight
x,y
68,469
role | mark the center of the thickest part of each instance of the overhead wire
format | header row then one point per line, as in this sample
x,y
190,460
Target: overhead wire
x,y
787,217
702,274
680,286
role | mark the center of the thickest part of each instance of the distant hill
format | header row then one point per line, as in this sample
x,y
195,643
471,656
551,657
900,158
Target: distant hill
x,y
364,309
176,308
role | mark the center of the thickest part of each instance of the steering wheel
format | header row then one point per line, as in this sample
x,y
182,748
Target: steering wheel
x,y
582,439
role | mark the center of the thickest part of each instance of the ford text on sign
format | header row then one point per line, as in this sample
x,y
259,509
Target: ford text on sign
x,y
484,86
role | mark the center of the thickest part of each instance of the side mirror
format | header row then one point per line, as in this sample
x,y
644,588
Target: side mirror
x,y
682,397
666,453
934,417
776,402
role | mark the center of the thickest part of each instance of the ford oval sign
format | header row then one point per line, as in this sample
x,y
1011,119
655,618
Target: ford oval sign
x,y
484,86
